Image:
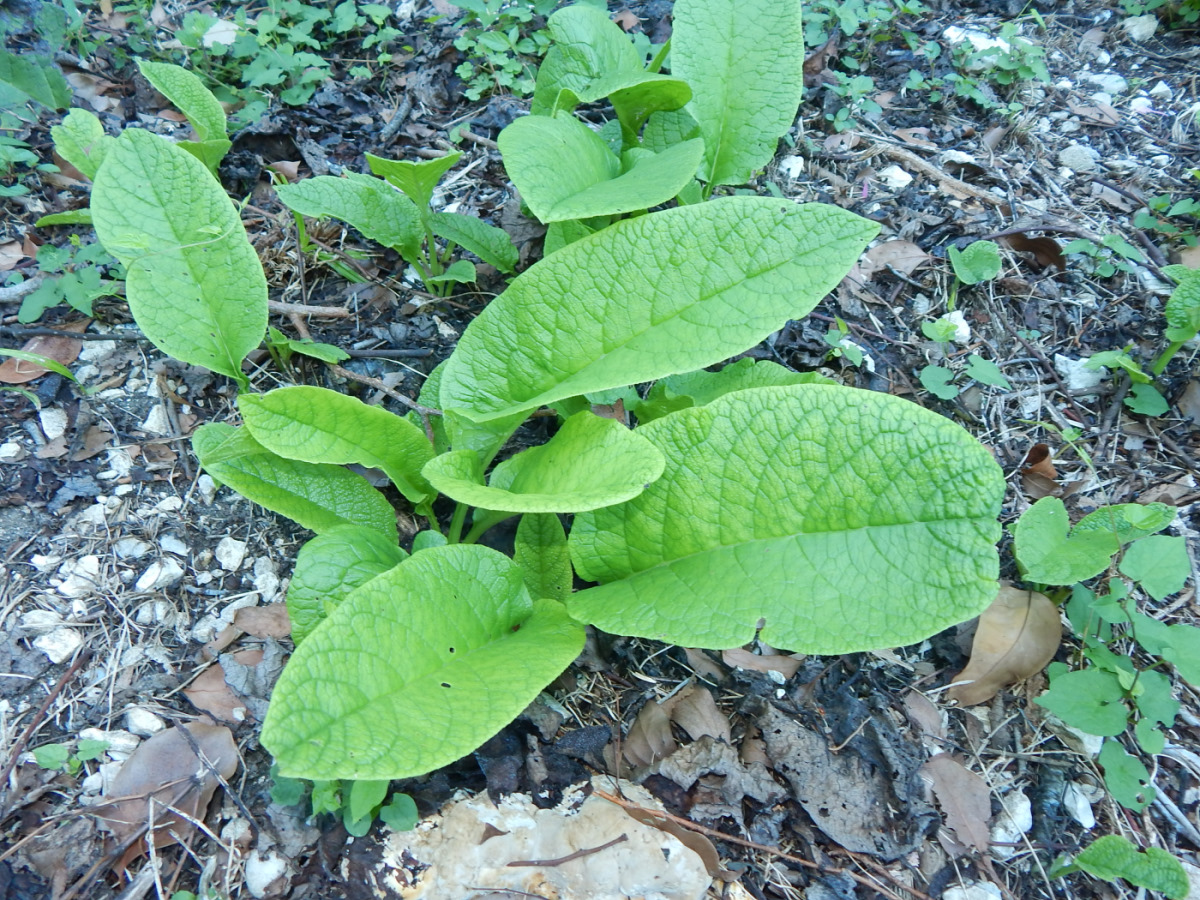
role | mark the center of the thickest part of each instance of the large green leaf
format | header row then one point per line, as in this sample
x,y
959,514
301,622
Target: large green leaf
x,y
489,243
318,425
329,567
371,205
591,462
194,283
1050,555
417,179
665,129
1183,306
81,141
592,183
319,497
743,59
417,668
676,392
1112,856
189,94
540,549
608,310
34,77
591,58
844,519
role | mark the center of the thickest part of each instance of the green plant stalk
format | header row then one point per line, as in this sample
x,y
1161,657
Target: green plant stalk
x,y
456,523
659,57
477,530
1161,363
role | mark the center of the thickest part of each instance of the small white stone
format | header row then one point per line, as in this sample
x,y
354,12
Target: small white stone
x,y
159,574
131,548
1102,97
155,612
120,743
230,552
895,178
59,645
88,519
169,504
962,331
158,422
1140,28
1014,820
266,579
1108,82
96,351
1140,106
1078,807
445,329
1078,158
172,544
792,166
979,890
40,621
1075,373
207,488
142,722
261,870
81,577
11,452
54,422
1161,91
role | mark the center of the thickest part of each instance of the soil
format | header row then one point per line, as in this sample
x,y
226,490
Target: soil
x,y
122,566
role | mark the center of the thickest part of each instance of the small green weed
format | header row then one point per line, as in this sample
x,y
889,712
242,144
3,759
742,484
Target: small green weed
x,y
1113,254
1165,218
1177,12
61,756
76,274
501,49
357,803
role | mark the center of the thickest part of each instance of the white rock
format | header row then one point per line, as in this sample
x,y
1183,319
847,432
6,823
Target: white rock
x,y
1140,106
96,351
1102,97
131,548
142,722
1074,373
210,625
957,156
221,32
11,451
172,544
59,645
159,574
1014,820
169,504
207,488
158,422
89,519
156,612
261,870
979,41
1077,805
962,331
40,621
895,178
792,166
1108,82
1078,158
979,890
81,577
1161,91
230,552
45,564
266,579
1140,28
119,462
54,422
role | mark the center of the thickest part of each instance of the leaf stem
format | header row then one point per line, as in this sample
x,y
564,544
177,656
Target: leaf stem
x,y
1160,364
659,58
456,524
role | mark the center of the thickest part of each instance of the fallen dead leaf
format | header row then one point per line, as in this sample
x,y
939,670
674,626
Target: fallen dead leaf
x,y
916,137
816,64
695,711
1189,256
703,664
11,253
1044,249
841,142
209,692
1097,114
288,168
1039,461
649,738
54,449
992,138
61,349
627,19
694,841
925,714
164,774
264,621
95,440
964,798
787,666
1188,402
1017,637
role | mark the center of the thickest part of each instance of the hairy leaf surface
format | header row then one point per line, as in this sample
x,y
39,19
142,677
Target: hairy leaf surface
x,y
540,549
372,206
591,462
743,59
417,179
605,311
330,566
318,425
319,497
194,283
81,141
489,243
846,519
677,392
417,668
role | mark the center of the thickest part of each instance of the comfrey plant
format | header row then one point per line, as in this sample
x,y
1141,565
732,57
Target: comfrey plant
x,y
749,500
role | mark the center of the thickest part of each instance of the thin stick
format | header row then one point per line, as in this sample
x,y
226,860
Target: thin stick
x,y
547,863
12,331
425,411
479,139
800,861
328,312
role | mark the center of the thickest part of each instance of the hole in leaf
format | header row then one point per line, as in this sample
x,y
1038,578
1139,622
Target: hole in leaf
x,y
445,684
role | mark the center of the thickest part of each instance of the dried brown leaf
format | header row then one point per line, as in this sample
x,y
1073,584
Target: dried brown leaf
x,y
1044,249
816,64
916,137
650,738
209,691
61,349
925,714
1039,461
703,664
10,254
270,621
787,666
695,711
697,843
841,142
627,19
162,775
95,440
964,798
1017,637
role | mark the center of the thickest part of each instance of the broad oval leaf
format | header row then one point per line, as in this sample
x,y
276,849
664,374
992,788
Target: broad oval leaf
x,y
677,392
372,206
665,129
417,179
605,311
591,184
194,282
847,520
319,497
489,243
81,141
1048,554
1112,856
318,425
37,78
743,59
540,549
190,96
417,668
329,567
591,462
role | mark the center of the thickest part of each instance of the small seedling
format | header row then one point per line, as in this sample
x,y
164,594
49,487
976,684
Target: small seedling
x,y
1113,254
357,803
1164,217
60,756
1182,312
1143,397
74,274
838,339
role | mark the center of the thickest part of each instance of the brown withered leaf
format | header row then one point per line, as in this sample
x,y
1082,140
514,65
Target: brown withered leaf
x,y
162,774
694,710
1188,256
627,19
917,137
787,666
10,254
264,621
650,738
925,714
209,691
1017,637
697,843
1097,114
964,798
703,664
1044,249
816,64
1039,461
61,349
